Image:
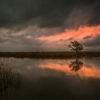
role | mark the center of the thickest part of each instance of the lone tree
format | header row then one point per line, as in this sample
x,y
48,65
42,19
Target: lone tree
x,y
76,47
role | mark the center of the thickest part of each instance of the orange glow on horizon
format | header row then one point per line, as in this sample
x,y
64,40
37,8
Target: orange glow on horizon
x,y
80,33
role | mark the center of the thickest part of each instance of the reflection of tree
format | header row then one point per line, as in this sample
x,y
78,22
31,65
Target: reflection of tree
x,y
8,80
76,65
76,47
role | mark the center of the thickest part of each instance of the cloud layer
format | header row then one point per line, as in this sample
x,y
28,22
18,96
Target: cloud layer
x,y
24,22
49,13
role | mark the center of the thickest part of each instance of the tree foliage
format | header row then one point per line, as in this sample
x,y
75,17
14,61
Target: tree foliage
x,y
75,46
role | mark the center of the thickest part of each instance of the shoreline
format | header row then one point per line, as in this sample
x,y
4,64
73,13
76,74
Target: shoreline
x,y
53,55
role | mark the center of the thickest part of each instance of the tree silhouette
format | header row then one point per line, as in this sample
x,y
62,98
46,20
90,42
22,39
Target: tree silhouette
x,y
76,47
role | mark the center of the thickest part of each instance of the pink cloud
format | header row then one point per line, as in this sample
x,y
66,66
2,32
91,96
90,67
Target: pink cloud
x,y
79,34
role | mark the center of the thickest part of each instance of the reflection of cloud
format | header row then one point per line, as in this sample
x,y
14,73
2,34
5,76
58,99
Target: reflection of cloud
x,y
86,72
29,67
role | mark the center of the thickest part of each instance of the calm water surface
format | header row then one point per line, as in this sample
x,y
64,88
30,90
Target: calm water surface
x,y
49,79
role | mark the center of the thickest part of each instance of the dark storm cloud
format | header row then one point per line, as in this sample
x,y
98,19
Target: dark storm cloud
x,y
93,42
23,21
49,13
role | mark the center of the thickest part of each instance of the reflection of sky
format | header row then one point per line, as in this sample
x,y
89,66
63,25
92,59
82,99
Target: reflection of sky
x,y
85,71
38,67
44,77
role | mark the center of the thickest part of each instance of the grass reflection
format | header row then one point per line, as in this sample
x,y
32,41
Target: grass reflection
x,y
8,79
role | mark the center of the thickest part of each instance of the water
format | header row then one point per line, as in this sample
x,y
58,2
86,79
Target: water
x,y
49,79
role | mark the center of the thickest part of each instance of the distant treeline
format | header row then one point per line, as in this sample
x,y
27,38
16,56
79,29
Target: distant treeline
x,y
48,54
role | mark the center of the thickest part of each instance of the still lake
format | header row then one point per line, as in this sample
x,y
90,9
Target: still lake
x,y
49,79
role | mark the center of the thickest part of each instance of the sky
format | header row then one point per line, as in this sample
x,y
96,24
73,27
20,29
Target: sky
x,y
49,25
